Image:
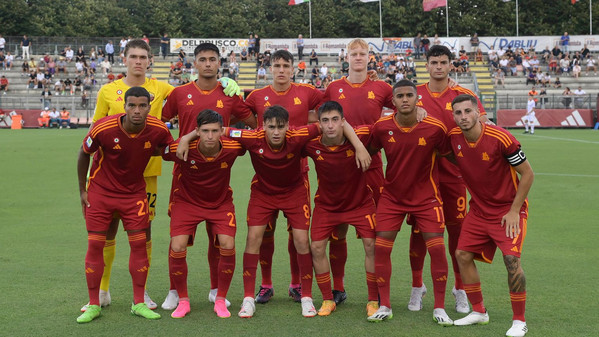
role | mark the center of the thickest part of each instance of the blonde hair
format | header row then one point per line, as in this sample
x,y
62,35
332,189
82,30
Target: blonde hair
x,y
357,43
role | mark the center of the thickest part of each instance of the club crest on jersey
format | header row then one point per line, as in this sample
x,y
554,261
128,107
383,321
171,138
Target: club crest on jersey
x,y
349,153
421,141
235,133
148,145
89,141
189,96
219,104
119,92
448,106
371,95
116,140
224,165
485,156
297,101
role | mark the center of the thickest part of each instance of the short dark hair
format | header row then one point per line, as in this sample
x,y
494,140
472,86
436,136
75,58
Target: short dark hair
x,y
209,116
463,98
206,46
404,83
282,54
438,50
278,113
330,106
137,92
137,43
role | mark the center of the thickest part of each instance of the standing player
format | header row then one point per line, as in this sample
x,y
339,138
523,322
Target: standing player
x,y
208,168
123,144
110,101
436,97
184,102
529,118
343,197
298,100
489,158
411,187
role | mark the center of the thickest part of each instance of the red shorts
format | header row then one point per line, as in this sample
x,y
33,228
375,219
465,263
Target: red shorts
x,y
375,180
132,209
294,204
389,217
185,218
454,202
324,223
272,224
482,237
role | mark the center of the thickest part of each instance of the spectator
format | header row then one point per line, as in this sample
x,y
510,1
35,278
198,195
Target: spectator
x,y
2,60
181,55
314,74
318,83
233,70
257,47
344,68
564,65
557,83
59,87
65,118
341,56
499,77
92,54
300,46
584,51
44,118
69,54
553,64
546,81
513,66
591,64
68,85
301,68
9,61
324,71
313,57
326,82
52,67
576,68
436,40
474,42
84,99
32,80
533,92
4,84
2,42
579,100
260,60
267,57
567,98
503,64
25,44
425,43
101,55
106,67
145,39
534,62
109,52
546,55
244,54
252,46
80,55
79,68
565,42
543,97
54,118
40,80
262,72
526,66
122,45
46,98
77,84
164,42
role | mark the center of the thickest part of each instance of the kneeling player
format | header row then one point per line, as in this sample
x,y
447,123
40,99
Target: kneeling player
x,y
489,158
343,197
124,145
202,193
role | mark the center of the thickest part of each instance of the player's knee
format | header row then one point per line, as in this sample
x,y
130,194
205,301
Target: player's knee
x,y
512,263
368,246
318,248
178,246
463,256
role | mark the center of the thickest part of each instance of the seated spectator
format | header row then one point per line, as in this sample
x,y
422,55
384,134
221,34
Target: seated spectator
x,y
333,72
69,54
41,66
233,70
345,67
503,65
65,118
80,57
61,66
68,85
54,118
46,58
557,83
59,87
79,68
324,71
314,73
77,84
2,60
499,77
318,82
534,62
181,55
341,56
260,60
478,57
546,55
327,81
87,83
44,118
92,54
313,57
564,65
267,57
40,80
232,57
84,99
32,80
101,55
9,61
591,64
52,67
531,78
47,78
106,67
567,98
526,67
4,84
46,98
546,80
185,77
576,69
513,66
244,54
262,72
301,69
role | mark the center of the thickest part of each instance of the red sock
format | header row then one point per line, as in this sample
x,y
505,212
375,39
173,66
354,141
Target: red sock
x,y
94,265
267,249
177,270
382,269
213,257
453,235
373,290
304,262
324,284
518,305
417,255
170,277
295,272
250,265
436,250
226,267
475,296
138,264
338,258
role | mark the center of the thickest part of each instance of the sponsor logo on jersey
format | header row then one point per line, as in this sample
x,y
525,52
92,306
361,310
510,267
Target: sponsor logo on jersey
x,y
391,140
261,151
89,141
485,156
224,165
349,153
371,95
190,102
266,98
219,104
148,145
297,101
235,133
421,141
116,147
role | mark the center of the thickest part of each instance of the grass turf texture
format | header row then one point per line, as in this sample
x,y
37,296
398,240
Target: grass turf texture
x,y
43,240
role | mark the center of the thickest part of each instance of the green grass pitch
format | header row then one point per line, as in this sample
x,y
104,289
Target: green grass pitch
x,y
43,241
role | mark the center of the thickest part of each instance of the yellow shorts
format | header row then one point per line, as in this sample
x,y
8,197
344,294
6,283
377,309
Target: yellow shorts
x,y
151,192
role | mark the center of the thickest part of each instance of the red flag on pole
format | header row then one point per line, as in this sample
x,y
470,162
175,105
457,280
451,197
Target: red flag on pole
x,y
428,5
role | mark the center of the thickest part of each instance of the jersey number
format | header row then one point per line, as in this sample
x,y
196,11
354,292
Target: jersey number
x,y
439,211
143,206
232,219
371,220
307,211
152,199
461,204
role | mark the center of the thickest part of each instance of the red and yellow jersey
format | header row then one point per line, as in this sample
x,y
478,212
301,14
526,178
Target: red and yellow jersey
x,y
277,171
362,103
111,101
342,186
298,100
411,177
188,100
204,181
487,167
120,157
438,105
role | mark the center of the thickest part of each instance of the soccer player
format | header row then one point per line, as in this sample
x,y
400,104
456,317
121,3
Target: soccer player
x,y
491,159
184,102
411,187
436,97
202,193
529,118
299,100
362,100
110,102
343,197
123,144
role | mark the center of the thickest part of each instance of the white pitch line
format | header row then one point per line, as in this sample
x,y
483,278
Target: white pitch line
x,y
566,139
567,175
